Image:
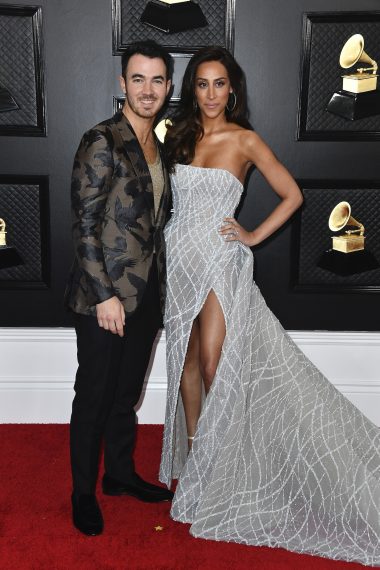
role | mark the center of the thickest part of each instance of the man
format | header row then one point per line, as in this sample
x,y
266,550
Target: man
x,y
120,203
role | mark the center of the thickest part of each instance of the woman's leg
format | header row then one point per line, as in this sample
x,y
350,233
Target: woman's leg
x,y
212,331
191,383
202,358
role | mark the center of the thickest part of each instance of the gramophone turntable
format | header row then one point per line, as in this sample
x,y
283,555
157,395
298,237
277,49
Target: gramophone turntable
x,y
173,16
352,239
8,254
347,255
359,97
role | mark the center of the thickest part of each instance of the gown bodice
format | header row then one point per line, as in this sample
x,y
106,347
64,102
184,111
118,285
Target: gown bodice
x,y
280,457
204,196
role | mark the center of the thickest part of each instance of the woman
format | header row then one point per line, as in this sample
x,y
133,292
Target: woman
x,y
274,455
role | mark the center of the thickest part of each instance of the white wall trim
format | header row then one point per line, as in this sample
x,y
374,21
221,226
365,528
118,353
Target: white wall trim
x,y
38,365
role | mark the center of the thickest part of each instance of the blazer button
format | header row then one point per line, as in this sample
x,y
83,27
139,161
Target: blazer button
x,y
80,212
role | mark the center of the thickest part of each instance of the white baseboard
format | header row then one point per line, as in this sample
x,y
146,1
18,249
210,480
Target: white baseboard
x,y
37,371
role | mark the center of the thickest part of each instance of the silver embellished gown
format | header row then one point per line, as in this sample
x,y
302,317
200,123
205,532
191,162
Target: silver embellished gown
x,y
280,457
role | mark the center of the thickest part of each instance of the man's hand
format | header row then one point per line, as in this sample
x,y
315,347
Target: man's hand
x,y
111,316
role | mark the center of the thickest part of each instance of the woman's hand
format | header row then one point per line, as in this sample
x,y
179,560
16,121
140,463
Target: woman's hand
x,y
233,231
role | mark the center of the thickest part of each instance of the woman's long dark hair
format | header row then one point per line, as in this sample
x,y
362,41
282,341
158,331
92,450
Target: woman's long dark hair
x,y
187,129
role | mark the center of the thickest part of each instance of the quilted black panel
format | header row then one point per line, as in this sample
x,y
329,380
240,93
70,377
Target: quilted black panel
x,y
21,70
218,14
323,46
21,210
17,69
315,235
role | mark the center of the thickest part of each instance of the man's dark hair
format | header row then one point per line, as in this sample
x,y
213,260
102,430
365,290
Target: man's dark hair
x,y
148,48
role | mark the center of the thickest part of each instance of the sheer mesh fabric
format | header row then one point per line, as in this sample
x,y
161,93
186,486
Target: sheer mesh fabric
x,y
280,457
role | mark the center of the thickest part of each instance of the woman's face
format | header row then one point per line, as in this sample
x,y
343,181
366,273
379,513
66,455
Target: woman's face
x,y
212,88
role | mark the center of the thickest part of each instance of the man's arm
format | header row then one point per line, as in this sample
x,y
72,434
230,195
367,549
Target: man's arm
x,y
90,184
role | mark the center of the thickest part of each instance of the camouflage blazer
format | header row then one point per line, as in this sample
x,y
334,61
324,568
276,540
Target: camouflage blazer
x,y
114,225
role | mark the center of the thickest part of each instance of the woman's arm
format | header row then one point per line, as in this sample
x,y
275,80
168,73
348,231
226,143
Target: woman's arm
x,y
259,154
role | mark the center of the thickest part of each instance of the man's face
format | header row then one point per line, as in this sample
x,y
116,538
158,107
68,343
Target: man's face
x,y
145,86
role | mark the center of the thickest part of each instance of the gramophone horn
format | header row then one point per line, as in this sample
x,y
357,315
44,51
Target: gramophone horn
x,y
353,51
161,129
2,233
339,216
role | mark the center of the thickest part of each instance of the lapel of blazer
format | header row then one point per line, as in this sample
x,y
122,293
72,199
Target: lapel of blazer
x,y
140,167
135,155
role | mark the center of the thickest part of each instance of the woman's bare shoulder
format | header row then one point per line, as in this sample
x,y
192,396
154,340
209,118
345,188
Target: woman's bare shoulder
x,y
248,142
244,136
251,146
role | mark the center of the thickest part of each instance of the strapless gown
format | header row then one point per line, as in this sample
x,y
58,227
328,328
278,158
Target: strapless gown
x,y
280,457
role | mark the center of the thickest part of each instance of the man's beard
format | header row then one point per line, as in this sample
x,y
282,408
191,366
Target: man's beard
x,y
141,112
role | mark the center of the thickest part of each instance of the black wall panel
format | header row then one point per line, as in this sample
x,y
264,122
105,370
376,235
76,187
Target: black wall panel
x,y
81,80
268,46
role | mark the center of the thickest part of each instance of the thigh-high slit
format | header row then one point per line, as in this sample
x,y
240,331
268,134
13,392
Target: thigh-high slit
x,y
280,457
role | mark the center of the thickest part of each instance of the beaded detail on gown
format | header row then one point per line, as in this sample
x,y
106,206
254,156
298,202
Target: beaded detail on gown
x,y
280,457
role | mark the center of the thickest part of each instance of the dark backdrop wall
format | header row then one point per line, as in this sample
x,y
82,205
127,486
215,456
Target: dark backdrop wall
x,y
81,79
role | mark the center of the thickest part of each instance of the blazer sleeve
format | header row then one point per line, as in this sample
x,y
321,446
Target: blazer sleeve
x,y
90,184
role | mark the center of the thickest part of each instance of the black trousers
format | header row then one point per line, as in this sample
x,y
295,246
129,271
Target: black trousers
x,y
108,385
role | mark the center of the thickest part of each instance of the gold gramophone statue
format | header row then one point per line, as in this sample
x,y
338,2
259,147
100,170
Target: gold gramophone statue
x,y
358,97
3,241
173,16
161,129
9,255
360,81
352,239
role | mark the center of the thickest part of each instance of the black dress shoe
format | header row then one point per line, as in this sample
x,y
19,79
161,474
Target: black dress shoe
x,y
87,516
136,487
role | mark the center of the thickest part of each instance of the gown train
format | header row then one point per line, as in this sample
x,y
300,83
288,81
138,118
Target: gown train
x,y
280,457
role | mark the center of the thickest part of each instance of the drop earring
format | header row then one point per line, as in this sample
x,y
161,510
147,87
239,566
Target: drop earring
x,y
231,108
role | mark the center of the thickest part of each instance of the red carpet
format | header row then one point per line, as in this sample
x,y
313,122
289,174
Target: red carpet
x,y
35,517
